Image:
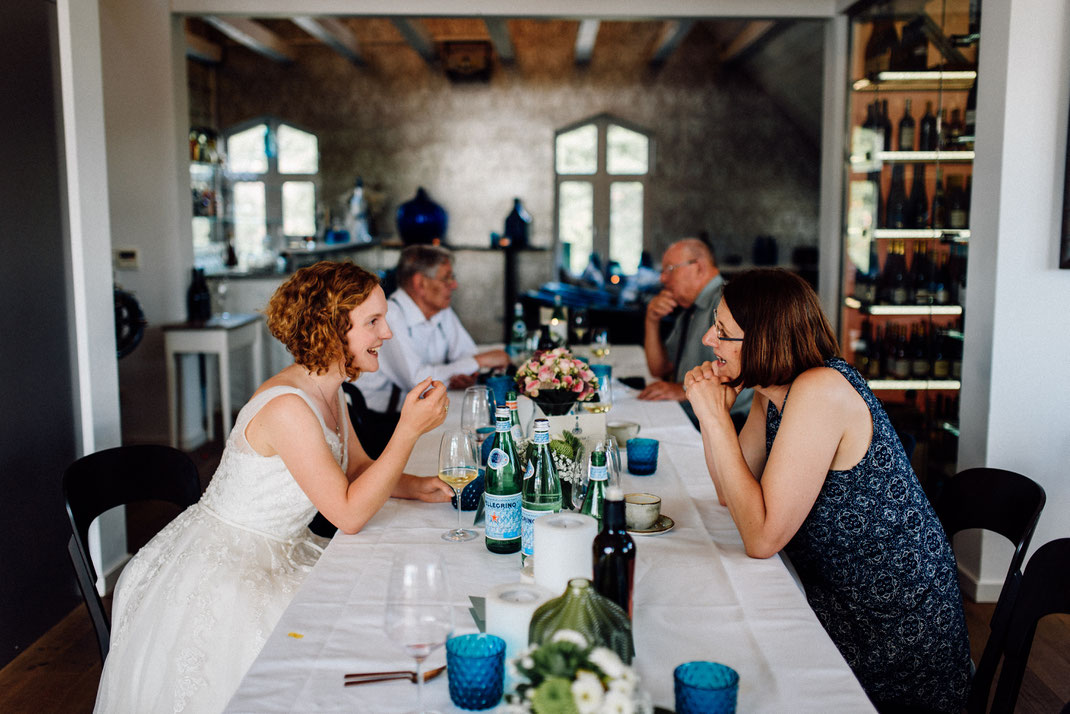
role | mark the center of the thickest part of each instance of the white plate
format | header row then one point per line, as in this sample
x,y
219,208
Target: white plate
x,y
662,525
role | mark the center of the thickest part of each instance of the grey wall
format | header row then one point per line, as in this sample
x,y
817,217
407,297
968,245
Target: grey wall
x,y
37,420
728,160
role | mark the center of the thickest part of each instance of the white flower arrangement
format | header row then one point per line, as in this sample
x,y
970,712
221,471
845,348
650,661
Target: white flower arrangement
x,y
569,676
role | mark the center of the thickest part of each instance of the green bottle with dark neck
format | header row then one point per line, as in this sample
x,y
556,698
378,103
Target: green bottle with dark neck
x,y
501,497
598,478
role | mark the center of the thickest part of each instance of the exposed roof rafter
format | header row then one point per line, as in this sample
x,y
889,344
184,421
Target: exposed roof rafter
x,y
417,37
671,35
585,38
253,35
751,33
499,35
203,50
333,33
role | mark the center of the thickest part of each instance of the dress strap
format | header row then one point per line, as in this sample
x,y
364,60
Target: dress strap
x,y
259,401
785,402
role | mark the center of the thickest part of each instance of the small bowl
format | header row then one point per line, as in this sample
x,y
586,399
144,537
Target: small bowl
x,y
641,510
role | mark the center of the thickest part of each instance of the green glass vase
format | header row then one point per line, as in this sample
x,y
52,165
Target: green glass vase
x,y
583,610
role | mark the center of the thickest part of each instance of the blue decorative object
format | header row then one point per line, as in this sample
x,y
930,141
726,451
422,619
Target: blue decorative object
x,y
421,221
705,688
642,456
475,664
517,226
471,493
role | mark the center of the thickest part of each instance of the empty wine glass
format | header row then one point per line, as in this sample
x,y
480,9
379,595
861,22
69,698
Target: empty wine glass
x,y
458,465
476,413
419,615
608,444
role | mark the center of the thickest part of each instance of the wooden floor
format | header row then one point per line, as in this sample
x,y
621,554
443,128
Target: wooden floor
x,y
59,672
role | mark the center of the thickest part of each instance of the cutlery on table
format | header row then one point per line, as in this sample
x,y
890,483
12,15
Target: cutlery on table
x,y
366,677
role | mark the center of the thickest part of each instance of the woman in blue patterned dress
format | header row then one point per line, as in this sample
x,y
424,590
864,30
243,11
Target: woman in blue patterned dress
x,y
823,476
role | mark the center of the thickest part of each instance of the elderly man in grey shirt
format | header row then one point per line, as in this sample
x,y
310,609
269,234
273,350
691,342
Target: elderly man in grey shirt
x,y
693,282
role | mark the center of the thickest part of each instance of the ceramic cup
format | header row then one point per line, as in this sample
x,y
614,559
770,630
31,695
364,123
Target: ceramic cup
x,y
641,510
622,430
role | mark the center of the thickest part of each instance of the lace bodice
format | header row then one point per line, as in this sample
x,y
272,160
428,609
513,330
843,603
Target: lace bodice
x,y
258,492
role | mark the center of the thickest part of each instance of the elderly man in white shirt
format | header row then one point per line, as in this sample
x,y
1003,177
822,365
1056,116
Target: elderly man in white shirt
x,y
429,339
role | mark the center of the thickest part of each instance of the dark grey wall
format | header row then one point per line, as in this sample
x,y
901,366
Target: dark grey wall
x,y
37,587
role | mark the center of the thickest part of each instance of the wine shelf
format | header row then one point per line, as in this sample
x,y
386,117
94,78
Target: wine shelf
x,y
902,310
916,384
954,235
932,80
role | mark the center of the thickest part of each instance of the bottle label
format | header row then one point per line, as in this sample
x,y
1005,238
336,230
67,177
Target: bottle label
x,y
511,405
902,368
527,530
599,473
920,368
541,437
530,470
517,434
957,218
497,459
899,296
503,516
941,369
501,425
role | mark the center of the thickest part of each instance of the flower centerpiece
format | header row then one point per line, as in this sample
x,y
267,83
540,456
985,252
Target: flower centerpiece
x,y
555,380
569,676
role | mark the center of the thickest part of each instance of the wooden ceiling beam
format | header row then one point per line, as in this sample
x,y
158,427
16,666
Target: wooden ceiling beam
x,y
333,33
751,33
417,37
585,39
203,50
499,35
669,38
254,36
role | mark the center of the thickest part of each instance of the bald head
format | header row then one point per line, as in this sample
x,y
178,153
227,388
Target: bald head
x,y
686,267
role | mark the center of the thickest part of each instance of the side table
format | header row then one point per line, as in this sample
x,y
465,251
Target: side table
x,y
219,336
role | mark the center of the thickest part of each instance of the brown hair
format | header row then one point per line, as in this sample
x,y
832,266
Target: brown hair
x,y
309,313
785,332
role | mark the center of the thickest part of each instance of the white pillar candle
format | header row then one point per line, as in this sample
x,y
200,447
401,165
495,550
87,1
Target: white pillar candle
x,y
563,549
509,609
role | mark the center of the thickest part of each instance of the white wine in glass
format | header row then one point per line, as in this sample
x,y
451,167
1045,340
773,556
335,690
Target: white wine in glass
x,y
419,615
458,465
600,343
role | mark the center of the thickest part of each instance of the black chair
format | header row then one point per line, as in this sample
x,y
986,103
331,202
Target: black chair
x,y
1007,503
1044,590
114,477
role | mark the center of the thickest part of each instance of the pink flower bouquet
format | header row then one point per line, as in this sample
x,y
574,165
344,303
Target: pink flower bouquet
x,y
555,375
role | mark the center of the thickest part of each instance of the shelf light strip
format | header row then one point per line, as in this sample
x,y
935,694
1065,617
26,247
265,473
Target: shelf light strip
x,y
946,156
948,233
919,384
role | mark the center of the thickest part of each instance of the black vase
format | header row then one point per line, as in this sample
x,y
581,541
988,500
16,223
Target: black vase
x,y
198,298
421,221
518,225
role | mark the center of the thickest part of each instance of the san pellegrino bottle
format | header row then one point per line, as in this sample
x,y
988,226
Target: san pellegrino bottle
x,y
514,417
598,478
519,335
541,494
614,553
501,497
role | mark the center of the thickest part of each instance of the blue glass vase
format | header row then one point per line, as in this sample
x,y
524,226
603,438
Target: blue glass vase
x,y
421,220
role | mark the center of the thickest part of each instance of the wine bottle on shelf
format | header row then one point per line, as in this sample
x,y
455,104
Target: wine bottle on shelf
x,y
919,199
969,127
886,125
919,348
938,286
956,203
938,215
614,553
927,138
888,349
869,296
896,207
860,348
900,283
913,54
906,130
901,366
921,274
954,130
941,367
956,359
879,48
541,492
502,495
875,365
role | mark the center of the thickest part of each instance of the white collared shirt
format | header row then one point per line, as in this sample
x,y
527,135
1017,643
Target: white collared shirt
x,y
438,347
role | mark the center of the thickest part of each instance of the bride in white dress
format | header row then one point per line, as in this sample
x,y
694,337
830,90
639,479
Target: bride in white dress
x,y
194,607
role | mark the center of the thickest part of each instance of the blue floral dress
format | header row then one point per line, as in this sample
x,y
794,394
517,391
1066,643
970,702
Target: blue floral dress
x,y
880,574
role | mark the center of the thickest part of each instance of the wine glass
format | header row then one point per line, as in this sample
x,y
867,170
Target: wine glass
x,y
600,342
605,394
580,324
458,465
608,444
476,414
419,615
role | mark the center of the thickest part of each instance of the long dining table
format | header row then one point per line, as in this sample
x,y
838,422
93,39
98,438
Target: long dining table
x,y
697,595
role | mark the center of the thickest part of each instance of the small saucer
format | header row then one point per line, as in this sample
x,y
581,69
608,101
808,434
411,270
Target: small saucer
x,y
662,525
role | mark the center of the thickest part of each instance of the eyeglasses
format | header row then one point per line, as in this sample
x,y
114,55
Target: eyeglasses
x,y
719,331
673,266
447,278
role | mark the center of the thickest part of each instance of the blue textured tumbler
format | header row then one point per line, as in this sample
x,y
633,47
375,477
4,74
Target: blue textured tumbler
x,y
705,688
642,456
476,668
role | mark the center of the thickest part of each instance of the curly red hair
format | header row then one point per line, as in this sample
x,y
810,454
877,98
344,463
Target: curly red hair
x,y
309,313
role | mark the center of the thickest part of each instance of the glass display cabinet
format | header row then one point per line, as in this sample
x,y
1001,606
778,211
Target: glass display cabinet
x,y
911,99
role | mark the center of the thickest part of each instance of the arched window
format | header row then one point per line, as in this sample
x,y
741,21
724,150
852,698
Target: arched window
x,y
602,166
272,168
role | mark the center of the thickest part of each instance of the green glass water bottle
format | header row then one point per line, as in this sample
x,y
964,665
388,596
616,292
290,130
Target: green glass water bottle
x,y
501,497
597,480
542,489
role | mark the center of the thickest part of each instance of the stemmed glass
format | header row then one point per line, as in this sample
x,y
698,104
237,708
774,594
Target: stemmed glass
x,y
580,324
608,444
458,465
475,413
419,615
600,342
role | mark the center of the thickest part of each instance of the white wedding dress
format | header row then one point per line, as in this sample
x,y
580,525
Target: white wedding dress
x,y
194,607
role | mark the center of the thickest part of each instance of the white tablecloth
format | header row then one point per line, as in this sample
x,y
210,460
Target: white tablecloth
x,y
697,597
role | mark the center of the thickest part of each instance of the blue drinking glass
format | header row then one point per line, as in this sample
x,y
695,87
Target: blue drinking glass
x,y
499,384
642,456
705,688
602,371
476,667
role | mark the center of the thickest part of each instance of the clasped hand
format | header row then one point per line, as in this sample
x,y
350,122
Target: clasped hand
x,y
706,389
425,406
